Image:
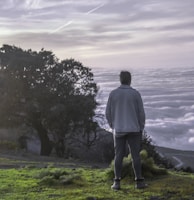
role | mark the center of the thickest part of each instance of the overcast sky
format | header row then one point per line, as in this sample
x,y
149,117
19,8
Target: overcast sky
x,y
103,33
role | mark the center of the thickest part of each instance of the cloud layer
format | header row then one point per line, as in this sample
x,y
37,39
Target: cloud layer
x,y
103,32
168,100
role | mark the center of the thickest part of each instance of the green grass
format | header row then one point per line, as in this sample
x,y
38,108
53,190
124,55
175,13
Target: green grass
x,y
88,184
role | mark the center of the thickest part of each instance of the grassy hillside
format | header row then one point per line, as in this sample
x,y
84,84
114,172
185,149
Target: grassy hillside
x,y
65,180
181,158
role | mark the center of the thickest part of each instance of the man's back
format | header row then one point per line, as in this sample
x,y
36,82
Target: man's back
x,y
125,112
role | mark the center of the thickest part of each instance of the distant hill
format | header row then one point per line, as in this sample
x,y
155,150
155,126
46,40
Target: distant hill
x,y
180,158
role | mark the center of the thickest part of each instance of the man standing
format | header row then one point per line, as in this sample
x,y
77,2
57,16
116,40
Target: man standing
x,y
125,115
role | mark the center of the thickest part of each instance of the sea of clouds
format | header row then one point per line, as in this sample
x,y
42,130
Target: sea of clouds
x,y
168,96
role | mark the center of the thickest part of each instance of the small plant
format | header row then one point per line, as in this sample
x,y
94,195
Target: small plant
x,y
150,148
149,167
55,177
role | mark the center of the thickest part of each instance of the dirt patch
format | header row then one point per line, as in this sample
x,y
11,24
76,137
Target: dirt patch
x,y
12,159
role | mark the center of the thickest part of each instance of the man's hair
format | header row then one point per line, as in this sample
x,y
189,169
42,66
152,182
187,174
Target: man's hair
x,y
125,78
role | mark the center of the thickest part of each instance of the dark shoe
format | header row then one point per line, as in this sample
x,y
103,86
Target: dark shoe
x,y
116,184
140,184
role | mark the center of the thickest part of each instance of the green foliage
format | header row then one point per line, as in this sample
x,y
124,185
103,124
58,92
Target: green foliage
x,y
33,184
57,177
187,169
149,168
56,173
150,148
46,94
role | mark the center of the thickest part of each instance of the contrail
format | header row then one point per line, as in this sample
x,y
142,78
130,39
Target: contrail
x,y
70,22
61,27
94,9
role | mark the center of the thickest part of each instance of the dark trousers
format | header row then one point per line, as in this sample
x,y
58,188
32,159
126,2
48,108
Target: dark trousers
x,y
133,140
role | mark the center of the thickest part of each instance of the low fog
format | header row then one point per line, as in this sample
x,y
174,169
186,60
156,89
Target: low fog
x,y
168,100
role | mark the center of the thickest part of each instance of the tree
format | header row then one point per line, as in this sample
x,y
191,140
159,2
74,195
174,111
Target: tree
x,y
49,95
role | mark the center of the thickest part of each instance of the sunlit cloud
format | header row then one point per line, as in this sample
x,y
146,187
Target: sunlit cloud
x,y
191,140
191,131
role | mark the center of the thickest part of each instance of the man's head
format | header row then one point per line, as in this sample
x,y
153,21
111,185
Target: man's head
x,y
125,78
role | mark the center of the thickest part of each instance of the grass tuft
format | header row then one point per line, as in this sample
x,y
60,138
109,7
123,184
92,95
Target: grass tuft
x,y
57,177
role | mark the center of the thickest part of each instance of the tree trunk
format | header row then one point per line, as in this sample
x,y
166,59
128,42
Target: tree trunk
x,y
46,145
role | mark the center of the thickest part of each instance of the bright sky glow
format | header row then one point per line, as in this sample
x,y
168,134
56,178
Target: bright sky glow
x,y
103,33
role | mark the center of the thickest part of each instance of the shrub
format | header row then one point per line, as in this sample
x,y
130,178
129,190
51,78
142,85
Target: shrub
x,y
150,169
57,177
150,148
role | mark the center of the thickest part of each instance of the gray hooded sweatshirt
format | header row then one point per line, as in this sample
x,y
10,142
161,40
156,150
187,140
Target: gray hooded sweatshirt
x,y
125,110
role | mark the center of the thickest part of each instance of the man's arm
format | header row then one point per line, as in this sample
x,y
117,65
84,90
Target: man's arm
x,y
141,112
108,111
